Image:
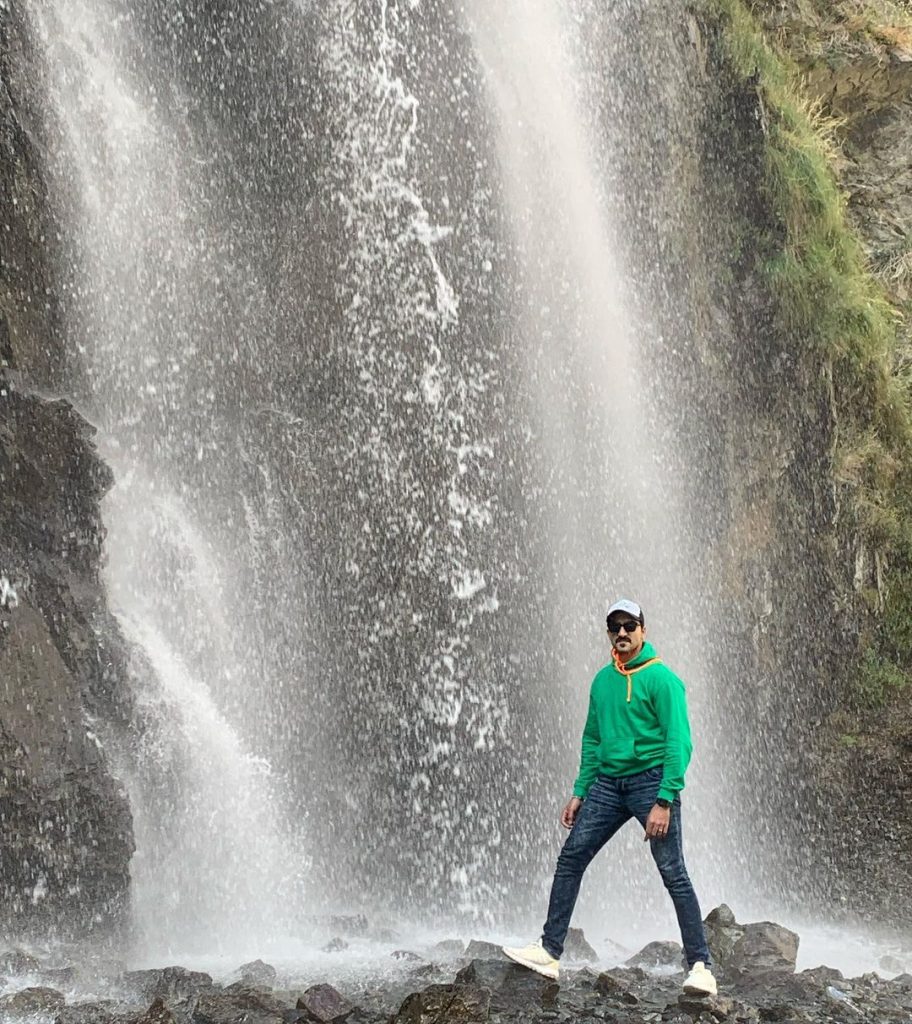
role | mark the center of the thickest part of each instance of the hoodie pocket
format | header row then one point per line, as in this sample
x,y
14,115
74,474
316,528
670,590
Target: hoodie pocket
x,y
619,749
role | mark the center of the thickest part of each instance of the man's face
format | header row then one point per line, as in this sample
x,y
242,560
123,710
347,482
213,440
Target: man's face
x,y
625,633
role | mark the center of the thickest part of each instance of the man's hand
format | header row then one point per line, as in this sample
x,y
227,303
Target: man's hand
x,y
657,823
569,813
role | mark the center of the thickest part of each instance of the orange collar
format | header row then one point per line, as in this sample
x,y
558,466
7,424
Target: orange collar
x,y
628,672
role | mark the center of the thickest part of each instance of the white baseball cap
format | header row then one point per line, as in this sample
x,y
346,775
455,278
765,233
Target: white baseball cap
x,y
624,605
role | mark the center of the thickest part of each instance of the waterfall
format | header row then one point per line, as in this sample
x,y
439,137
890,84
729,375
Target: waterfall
x,y
349,296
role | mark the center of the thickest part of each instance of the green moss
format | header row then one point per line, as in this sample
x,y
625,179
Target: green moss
x,y
879,680
836,309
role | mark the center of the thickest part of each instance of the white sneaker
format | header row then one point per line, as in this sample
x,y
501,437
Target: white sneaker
x,y
700,981
536,958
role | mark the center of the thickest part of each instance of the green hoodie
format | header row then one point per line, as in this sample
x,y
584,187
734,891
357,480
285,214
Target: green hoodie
x,y
637,720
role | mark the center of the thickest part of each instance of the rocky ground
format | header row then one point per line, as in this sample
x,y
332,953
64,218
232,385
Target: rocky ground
x,y
451,983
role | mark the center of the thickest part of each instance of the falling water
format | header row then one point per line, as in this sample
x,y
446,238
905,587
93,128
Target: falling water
x,y
350,296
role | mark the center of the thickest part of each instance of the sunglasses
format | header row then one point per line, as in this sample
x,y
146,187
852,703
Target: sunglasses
x,y
630,626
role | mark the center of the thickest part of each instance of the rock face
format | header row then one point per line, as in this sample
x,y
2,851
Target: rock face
x,y
67,826
749,950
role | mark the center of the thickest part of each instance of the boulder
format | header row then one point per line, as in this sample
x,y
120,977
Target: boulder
x,y
760,948
335,945
477,949
325,1004
104,1011
513,988
657,954
256,974
719,1007
168,983
17,961
445,1004
722,932
613,987
157,1013
28,1002
577,948
765,948
239,1005
406,954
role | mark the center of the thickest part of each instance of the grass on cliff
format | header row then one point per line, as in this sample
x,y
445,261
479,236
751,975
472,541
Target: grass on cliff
x,y
834,305
838,31
828,294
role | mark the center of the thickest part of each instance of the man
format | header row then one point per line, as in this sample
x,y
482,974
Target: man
x,y
636,748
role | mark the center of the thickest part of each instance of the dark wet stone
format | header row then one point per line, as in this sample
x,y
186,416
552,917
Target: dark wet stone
x,y
405,954
477,949
325,1004
256,974
335,945
17,961
104,1011
512,987
759,948
158,1013
168,983
719,1007
445,1004
764,948
448,949
657,954
612,986
239,1005
59,977
29,1001
577,948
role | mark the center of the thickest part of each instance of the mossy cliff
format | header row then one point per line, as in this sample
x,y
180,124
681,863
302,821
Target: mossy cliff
x,y
827,246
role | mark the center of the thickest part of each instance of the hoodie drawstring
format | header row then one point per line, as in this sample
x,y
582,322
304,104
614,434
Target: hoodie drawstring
x,y
628,672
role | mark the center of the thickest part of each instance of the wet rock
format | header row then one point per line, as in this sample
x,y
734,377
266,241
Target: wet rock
x,y
719,1007
448,949
239,1005
777,996
104,1011
722,933
325,1004
445,1004
406,954
59,977
158,1013
611,986
64,863
168,983
17,961
512,987
657,954
335,945
30,1001
256,974
765,948
577,948
477,949
760,948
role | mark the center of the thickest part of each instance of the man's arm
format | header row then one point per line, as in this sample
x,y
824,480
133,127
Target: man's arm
x,y
671,708
589,754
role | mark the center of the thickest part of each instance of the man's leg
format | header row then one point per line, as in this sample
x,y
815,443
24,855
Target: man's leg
x,y
602,814
668,853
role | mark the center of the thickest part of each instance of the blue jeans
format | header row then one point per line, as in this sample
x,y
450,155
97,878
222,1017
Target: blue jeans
x,y
610,804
